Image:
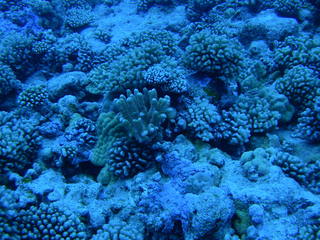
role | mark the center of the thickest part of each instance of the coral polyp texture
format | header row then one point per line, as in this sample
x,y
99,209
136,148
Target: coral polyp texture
x,y
300,84
308,122
159,119
142,114
47,222
210,53
33,97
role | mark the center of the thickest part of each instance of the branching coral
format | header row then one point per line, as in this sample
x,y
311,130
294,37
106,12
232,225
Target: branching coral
x,y
167,76
289,8
8,206
78,18
16,52
127,157
108,130
142,114
304,173
166,39
210,53
48,222
259,111
19,139
250,115
83,130
203,120
196,8
7,79
115,152
73,50
298,50
125,136
309,122
300,84
235,127
124,65
33,97
309,231
118,230
126,72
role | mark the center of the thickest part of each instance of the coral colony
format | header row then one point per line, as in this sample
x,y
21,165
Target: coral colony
x,y
160,120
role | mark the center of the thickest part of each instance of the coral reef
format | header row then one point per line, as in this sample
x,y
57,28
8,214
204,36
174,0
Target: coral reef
x,y
235,127
210,53
7,79
16,52
167,76
144,5
143,113
308,122
255,163
126,158
159,119
203,120
47,222
300,84
261,116
19,141
298,50
78,18
117,230
33,97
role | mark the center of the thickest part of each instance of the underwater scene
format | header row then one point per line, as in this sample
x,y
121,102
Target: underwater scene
x,y
160,119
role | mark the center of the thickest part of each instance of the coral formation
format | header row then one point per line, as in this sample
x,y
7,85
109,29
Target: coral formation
x,y
19,141
143,113
203,120
210,53
126,157
159,119
144,5
298,50
309,122
261,116
300,84
255,163
7,79
167,76
33,97
17,53
78,18
47,222
117,231
235,127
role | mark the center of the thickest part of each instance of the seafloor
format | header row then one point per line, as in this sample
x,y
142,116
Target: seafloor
x,y
160,119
